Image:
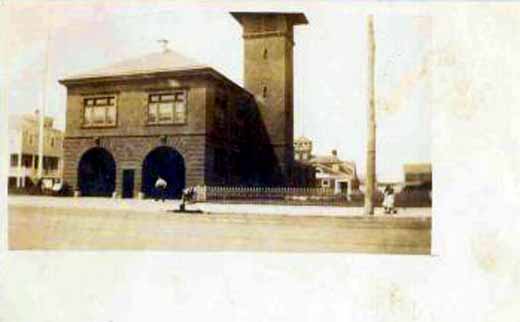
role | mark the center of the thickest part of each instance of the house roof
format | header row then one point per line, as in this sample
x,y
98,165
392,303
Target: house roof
x,y
343,171
16,121
418,168
302,139
166,61
155,64
325,159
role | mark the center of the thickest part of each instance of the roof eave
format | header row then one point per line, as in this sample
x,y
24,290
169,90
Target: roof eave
x,y
129,76
297,18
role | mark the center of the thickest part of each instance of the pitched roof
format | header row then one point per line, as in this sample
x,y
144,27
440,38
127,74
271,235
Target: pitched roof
x,y
325,159
301,139
418,168
166,61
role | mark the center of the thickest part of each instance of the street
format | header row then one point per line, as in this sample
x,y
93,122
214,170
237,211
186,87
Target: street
x,y
98,224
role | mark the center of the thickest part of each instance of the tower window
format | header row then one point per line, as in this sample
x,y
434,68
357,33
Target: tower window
x,y
264,92
265,53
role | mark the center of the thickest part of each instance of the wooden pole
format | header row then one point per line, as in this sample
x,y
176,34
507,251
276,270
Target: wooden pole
x,y
41,130
371,126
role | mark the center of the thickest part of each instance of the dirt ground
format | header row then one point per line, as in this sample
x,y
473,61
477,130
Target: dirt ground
x,y
91,225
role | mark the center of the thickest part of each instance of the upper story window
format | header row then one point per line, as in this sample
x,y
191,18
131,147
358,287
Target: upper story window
x,y
99,111
167,108
14,160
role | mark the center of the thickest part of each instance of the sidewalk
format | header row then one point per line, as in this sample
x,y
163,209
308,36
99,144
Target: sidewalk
x,y
211,208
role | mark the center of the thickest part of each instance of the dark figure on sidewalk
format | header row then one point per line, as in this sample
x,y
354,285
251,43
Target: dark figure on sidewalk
x,y
389,200
188,196
161,185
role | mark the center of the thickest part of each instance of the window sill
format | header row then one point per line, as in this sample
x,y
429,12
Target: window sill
x,y
98,126
166,124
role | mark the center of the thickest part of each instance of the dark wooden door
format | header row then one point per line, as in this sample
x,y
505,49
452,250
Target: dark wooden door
x,y
128,183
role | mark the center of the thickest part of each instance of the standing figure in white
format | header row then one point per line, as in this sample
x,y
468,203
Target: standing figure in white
x,y
389,200
161,185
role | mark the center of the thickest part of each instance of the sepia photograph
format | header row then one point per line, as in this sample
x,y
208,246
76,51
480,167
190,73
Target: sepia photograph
x,y
199,128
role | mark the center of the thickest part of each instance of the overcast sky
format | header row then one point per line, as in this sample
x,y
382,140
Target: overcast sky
x,y
330,66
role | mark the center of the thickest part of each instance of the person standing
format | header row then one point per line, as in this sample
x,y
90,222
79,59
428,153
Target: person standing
x,y
161,185
389,200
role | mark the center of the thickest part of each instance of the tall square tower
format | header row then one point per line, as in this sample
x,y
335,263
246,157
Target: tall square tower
x,y
268,75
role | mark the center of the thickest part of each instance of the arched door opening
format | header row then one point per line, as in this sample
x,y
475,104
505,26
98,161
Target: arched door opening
x,y
167,163
97,173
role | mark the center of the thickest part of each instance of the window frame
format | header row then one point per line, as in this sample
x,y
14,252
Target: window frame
x,y
155,97
94,98
13,161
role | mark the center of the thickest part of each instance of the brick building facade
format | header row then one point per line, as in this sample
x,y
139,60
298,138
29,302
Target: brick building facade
x,y
166,115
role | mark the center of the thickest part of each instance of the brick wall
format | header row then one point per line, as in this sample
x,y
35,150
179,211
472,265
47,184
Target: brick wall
x,y
132,138
129,153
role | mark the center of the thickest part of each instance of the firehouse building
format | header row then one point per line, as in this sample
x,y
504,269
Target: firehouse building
x,y
166,115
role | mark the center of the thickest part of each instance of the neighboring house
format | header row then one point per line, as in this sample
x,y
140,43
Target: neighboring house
x,y
418,176
330,171
23,150
164,115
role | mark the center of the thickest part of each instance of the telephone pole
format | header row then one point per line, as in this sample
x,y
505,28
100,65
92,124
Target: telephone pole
x,y
41,121
371,126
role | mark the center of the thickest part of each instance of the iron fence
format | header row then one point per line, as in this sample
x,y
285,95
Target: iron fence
x,y
296,195
221,193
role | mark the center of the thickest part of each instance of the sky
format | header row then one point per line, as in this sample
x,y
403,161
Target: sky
x,y
48,42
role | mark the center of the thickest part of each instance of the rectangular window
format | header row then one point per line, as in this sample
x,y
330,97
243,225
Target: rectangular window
x,y
166,112
99,111
152,113
14,160
167,108
28,159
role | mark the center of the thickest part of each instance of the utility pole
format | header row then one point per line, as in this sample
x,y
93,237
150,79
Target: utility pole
x,y
371,126
41,131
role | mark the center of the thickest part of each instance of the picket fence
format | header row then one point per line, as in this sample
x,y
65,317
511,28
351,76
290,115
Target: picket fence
x,y
294,195
223,193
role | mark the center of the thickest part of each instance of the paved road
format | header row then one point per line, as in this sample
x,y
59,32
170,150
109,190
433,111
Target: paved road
x,y
32,226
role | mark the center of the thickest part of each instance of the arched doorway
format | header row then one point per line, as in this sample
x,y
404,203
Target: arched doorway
x,y
167,163
97,173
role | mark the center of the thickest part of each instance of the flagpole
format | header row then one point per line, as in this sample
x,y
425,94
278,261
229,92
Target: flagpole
x,y
371,126
41,141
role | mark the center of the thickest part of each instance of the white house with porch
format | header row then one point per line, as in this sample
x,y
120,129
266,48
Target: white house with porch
x,y
331,172
23,132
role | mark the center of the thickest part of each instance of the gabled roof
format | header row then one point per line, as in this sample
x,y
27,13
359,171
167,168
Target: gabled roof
x,y
166,61
324,159
302,139
417,168
344,169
